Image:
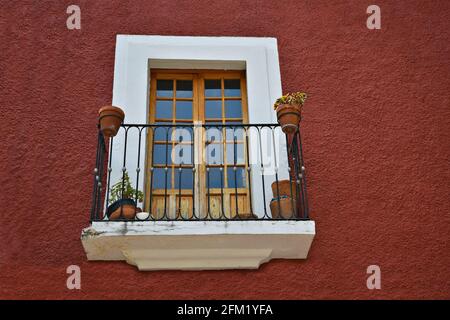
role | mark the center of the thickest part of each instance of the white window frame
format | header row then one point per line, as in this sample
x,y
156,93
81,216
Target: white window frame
x,y
136,55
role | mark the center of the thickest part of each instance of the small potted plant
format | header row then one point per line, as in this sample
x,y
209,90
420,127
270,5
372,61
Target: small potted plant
x,y
289,110
110,118
122,196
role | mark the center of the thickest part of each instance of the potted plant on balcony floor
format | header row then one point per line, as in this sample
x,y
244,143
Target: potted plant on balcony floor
x,y
282,208
289,111
284,188
284,199
123,204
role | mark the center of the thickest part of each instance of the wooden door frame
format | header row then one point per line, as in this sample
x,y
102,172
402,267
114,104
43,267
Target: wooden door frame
x,y
198,107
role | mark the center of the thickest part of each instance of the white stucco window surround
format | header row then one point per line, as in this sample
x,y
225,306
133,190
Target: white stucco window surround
x,y
194,245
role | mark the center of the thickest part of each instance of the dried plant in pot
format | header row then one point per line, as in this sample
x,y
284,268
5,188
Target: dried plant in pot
x,y
123,197
109,120
289,110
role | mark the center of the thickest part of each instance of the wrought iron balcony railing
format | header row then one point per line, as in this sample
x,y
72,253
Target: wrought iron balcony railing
x,y
194,172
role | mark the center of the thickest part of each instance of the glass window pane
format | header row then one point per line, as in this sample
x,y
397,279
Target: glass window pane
x,y
237,132
182,154
232,87
214,153
233,109
186,177
184,110
239,149
213,109
214,179
184,88
162,133
182,133
236,178
240,155
164,88
213,88
159,180
163,109
213,133
160,152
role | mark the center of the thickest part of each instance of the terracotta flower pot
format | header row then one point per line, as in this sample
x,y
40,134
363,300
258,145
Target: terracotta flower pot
x,y
110,119
282,208
125,206
288,117
284,189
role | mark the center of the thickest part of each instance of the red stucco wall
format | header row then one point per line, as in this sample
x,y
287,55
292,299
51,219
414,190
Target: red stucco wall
x,y
376,136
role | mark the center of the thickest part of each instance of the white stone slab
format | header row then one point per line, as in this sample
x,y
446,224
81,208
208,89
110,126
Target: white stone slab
x,y
198,245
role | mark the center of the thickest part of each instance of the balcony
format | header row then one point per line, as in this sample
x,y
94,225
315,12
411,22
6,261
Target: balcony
x,y
199,196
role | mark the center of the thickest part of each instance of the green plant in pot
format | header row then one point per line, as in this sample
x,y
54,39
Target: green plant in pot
x,y
123,197
289,110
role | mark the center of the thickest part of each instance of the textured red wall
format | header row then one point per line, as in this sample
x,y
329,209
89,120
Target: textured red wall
x,y
376,136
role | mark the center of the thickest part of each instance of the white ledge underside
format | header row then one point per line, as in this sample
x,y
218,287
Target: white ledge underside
x,y
198,245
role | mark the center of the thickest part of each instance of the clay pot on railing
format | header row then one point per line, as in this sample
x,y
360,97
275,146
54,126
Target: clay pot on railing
x,y
288,117
110,118
282,208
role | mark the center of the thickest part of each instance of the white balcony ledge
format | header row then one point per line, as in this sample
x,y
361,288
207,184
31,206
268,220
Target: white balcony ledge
x,y
198,245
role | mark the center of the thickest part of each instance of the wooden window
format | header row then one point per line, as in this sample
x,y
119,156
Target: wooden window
x,y
217,182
